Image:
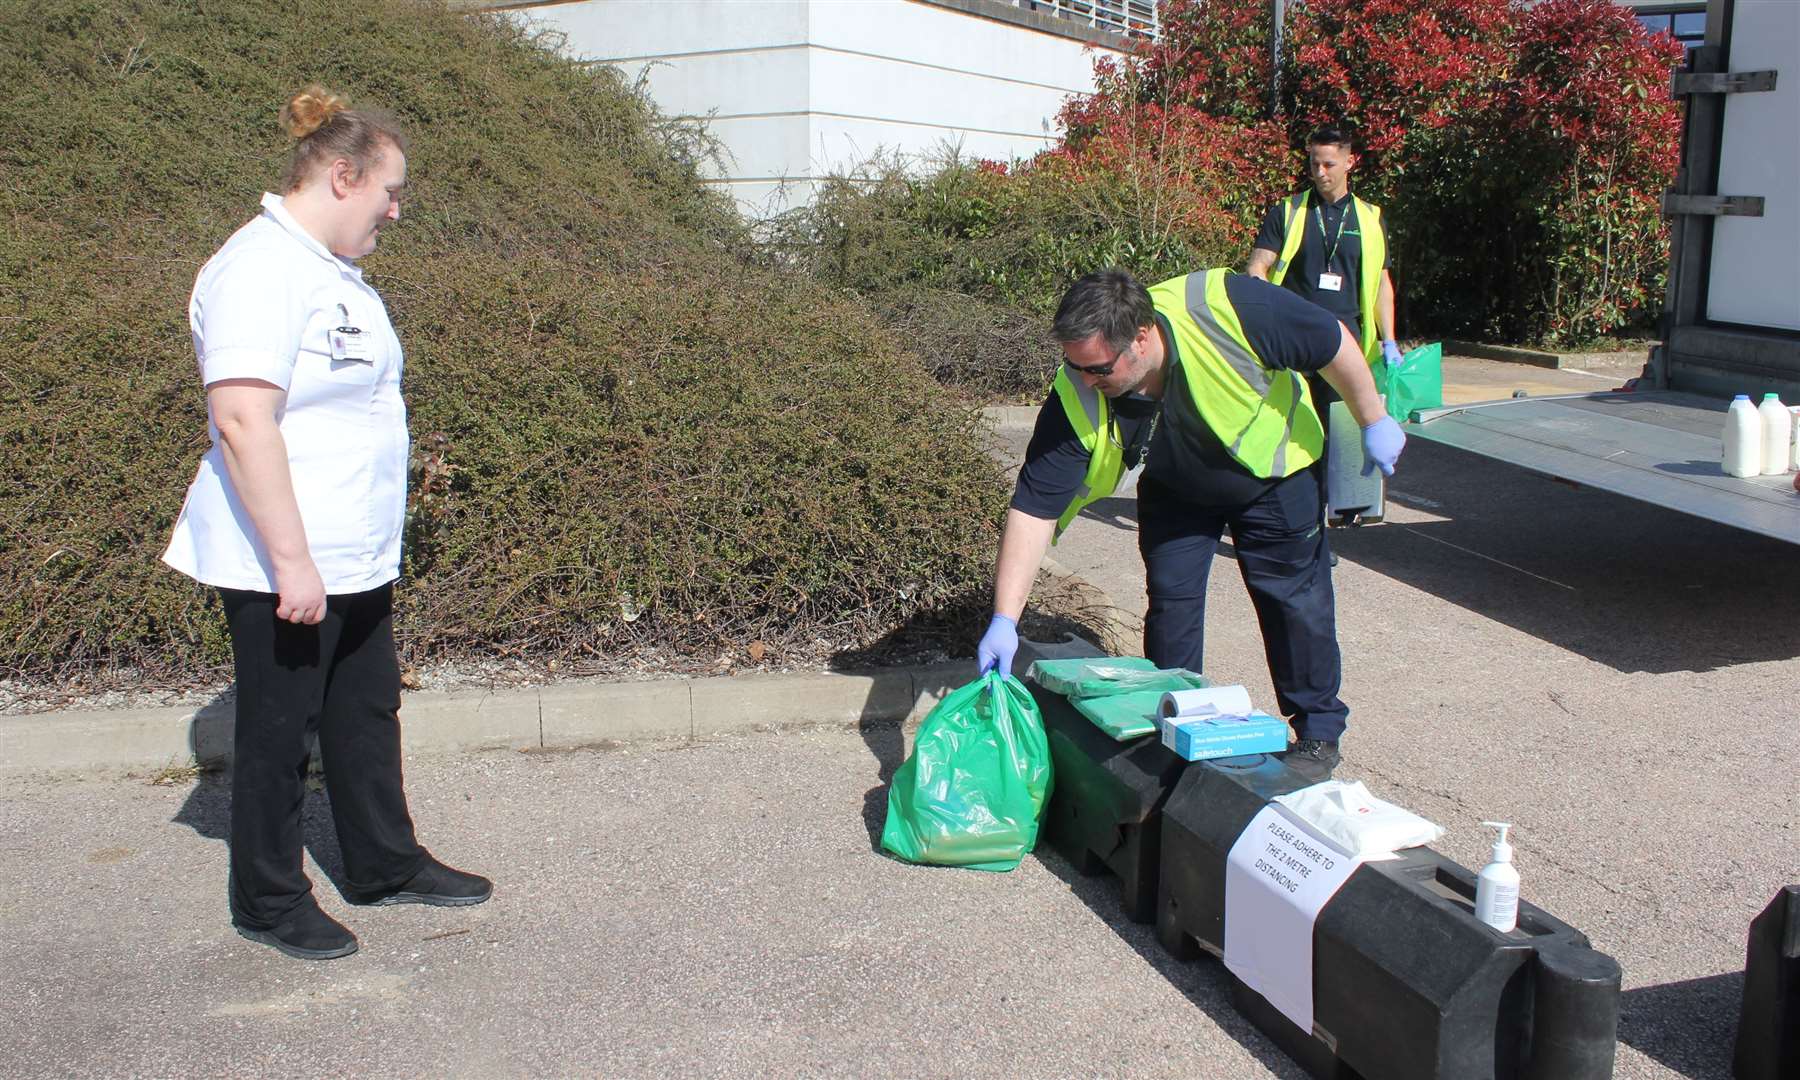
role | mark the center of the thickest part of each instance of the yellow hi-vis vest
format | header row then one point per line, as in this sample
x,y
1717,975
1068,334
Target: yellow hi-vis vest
x,y
1097,428
1374,258
1264,416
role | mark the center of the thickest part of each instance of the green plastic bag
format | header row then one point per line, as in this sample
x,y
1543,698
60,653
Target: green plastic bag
x,y
1132,715
1417,383
978,777
1093,676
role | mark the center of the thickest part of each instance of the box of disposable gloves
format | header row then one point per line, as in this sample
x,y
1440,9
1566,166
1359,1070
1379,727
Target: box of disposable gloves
x,y
1218,722
1230,736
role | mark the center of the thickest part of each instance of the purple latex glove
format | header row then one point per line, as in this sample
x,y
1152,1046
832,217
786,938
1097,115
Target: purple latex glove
x,y
1391,353
1382,442
998,645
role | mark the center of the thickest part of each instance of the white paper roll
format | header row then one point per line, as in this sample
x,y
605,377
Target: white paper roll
x,y
1212,701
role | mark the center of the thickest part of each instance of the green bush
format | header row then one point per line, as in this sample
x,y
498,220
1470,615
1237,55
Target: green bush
x,y
631,440
930,250
969,259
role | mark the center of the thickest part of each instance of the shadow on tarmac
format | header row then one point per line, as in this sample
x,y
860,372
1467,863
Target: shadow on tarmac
x,y
207,811
952,630
1204,981
1688,1026
207,808
1632,586
1120,513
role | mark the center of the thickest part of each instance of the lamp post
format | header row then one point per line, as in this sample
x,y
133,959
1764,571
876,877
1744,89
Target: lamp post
x,y
1277,15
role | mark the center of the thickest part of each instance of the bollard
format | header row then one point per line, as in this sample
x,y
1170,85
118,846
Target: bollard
x,y
1105,808
1575,1011
1407,983
1768,1036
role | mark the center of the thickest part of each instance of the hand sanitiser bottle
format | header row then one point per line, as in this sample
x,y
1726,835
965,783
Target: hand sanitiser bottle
x,y
1497,886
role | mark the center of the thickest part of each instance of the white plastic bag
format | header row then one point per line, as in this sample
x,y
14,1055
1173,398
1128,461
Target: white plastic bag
x,y
1356,822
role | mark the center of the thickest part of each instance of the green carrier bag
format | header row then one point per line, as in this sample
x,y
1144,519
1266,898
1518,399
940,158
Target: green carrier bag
x,y
1416,383
979,774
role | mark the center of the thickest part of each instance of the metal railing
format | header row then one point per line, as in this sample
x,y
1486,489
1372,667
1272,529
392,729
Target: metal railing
x,y
1132,18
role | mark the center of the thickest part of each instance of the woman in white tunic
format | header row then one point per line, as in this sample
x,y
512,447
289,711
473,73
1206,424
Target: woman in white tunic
x,y
295,517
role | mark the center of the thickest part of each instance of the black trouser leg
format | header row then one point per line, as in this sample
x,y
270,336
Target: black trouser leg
x,y
281,669
1177,542
341,679
359,739
1282,555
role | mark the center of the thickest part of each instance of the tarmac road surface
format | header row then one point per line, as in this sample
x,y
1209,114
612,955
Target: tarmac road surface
x,y
1618,681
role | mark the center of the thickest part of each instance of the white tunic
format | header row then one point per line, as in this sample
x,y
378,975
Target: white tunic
x,y
264,307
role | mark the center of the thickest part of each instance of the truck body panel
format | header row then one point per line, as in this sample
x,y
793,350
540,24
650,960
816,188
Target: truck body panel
x,y
1657,446
1732,314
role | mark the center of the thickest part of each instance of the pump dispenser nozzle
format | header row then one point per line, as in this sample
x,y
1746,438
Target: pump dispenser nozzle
x,y
1502,849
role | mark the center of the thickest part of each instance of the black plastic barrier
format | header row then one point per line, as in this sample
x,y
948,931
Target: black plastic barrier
x,y
1105,808
1407,983
1768,1037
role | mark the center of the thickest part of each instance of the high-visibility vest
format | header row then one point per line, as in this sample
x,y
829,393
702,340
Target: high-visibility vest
x,y
1264,416
1098,429
1374,258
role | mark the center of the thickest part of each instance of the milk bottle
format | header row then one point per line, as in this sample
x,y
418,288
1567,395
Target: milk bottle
x,y
1743,438
1777,435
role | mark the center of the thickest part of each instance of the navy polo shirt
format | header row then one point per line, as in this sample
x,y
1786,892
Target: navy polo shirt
x,y
1342,236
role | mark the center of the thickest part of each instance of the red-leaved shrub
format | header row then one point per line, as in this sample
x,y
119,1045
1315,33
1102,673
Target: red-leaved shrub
x,y
1520,152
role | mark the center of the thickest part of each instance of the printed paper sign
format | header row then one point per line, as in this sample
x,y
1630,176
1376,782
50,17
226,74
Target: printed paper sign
x,y
1278,877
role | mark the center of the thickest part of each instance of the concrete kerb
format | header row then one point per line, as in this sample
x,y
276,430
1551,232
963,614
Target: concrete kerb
x,y
555,716
1011,416
559,715
1509,353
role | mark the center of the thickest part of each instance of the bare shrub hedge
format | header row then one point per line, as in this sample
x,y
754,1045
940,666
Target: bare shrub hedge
x,y
630,438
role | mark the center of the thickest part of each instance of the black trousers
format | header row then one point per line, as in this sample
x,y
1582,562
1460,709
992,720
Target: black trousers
x,y
1282,555
341,679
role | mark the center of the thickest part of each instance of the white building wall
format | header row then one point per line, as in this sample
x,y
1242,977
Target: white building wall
x,y
799,89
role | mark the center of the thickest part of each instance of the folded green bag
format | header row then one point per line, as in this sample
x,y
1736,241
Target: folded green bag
x,y
1132,714
1094,676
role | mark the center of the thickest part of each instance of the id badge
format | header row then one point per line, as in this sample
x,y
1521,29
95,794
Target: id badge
x,y
1331,282
349,343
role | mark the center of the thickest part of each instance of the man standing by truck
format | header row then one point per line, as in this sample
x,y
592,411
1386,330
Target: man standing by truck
x,y
1330,247
1203,378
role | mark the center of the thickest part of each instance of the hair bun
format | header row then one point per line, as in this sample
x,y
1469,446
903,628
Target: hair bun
x,y
310,109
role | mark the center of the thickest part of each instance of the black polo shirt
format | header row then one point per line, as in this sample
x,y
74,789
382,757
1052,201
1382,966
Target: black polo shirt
x,y
1183,453
1342,236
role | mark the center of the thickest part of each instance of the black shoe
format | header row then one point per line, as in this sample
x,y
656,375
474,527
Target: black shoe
x,y
307,934
434,884
1313,759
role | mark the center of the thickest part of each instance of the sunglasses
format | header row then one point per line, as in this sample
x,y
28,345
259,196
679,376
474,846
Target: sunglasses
x,y
1099,371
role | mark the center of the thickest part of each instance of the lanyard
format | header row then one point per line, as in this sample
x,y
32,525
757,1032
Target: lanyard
x,y
1319,209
